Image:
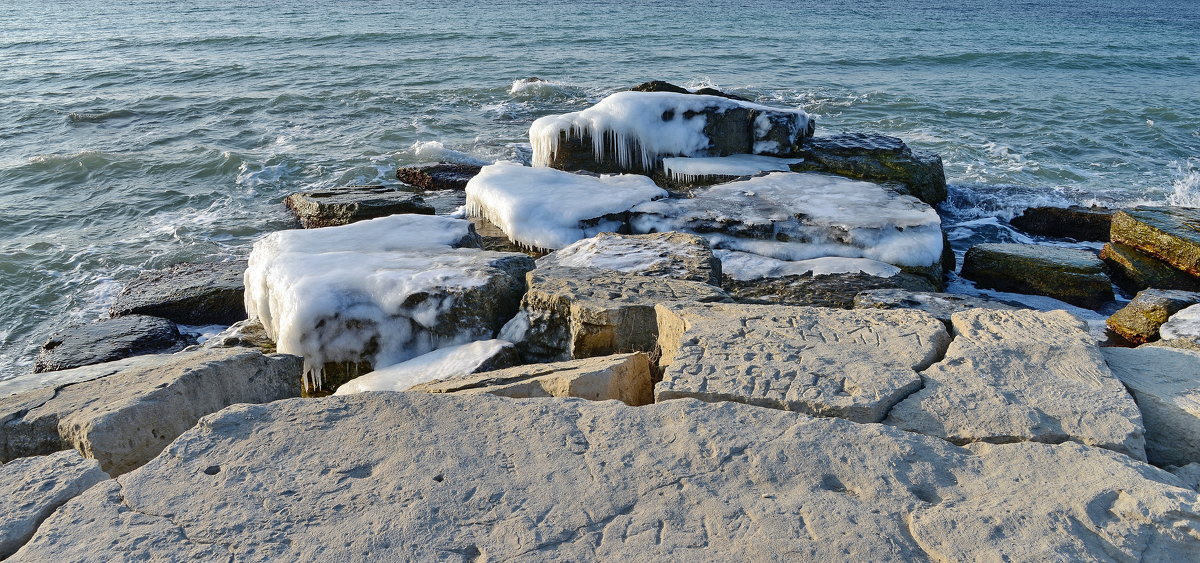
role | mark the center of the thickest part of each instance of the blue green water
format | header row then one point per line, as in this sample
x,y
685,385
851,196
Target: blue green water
x,y
142,134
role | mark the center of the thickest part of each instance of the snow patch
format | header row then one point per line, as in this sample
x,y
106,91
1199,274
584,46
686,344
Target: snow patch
x,y
1183,324
686,169
744,266
453,361
613,253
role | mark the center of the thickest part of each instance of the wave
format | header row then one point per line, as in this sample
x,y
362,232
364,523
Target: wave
x,y
97,117
1186,185
435,151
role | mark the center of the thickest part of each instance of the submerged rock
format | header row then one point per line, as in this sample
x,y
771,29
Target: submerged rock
x,y
1066,274
1168,233
1165,382
624,377
673,255
440,176
32,488
190,294
342,206
1074,222
661,86
941,305
1134,271
108,340
875,158
1139,321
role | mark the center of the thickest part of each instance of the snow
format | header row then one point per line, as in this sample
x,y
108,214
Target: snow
x,y
1183,324
689,169
548,209
453,361
799,216
645,126
623,254
745,266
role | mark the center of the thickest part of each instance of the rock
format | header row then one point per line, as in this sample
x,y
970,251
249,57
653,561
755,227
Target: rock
x,y
941,305
1188,474
124,415
829,290
190,294
1066,274
660,86
496,240
1168,233
108,340
1074,222
673,255
249,333
1012,376
345,205
488,478
876,158
31,488
440,176
825,362
444,363
1183,325
574,313
623,377
683,174
1134,271
1139,321
1165,382
1178,343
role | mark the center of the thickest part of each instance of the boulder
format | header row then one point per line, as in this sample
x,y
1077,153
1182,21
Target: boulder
x,y
1066,274
1165,382
941,305
1168,233
661,86
1183,325
1074,222
820,290
449,362
573,313
673,255
249,333
190,294
1139,321
824,362
345,205
108,340
623,377
1012,376
1134,271
123,415
421,477
875,158
440,176
31,488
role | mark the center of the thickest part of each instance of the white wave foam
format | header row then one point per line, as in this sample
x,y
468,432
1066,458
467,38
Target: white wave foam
x,y
1186,184
430,151
254,175
538,88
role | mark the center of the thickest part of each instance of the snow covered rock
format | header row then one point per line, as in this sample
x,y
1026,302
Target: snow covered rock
x,y
125,413
941,305
345,205
379,292
548,209
31,488
703,171
825,362
1167,233
190,294
1140,320
108,340
1184,325
1165,382
821,282
449,362
1067,274
623,377
1013,376
635,130
572,313
1133,270
875,158
674,255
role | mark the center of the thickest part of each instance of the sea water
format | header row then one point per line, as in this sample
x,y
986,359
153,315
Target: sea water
x,y
141,134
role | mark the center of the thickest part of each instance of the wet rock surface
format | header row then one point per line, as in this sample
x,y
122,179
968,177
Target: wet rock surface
x,y
1133,270
1074,222
108,340
1066,274
190,294
440,176
1168,233
1139,321
345,205
820,290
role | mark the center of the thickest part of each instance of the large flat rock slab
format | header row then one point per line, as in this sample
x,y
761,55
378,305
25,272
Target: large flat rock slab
x,y
622,377
826,362
876,158
1165,382
1169,233
420,477
941,305
1067,274
108,340
192,294
31,488
124,415
1013,376
680,256
348,204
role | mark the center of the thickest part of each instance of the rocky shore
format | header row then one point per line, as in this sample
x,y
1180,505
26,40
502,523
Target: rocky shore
x,y
693,328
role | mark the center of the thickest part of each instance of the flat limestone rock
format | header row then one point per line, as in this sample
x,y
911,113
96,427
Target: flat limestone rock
x,y
191,294
421,477
1139,321
108,340
1070,275
820,290
825,362
124,417
1169,233
345,205
623,377
1075,222
941,305
1133,270
1165,382
440,176
1012,376
876,158
31,488
673,255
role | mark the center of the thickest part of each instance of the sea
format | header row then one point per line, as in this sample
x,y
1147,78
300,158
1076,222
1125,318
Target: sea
x,y
141,134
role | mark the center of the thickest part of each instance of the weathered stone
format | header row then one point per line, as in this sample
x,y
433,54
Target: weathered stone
x,y
1138,322
419,477
191,294
1066,274
249,333
825,362
1134,271
1182,325
1074,222
108,340
941,305
1178,343
573,313
31,488
1013,376
1188,474
876,158
1169,233
827,290
345,205
624,377
673,255
1165,382
124,416
440,176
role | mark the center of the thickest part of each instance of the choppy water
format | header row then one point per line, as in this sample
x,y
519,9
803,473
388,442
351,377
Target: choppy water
x,y
138,135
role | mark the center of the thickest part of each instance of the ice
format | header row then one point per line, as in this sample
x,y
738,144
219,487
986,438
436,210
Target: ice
x,y
799,216
646,126
1184,324
548,209
612,253
452,361
688,169
745,266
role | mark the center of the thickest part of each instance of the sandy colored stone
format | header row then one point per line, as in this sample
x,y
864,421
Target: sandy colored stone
x,y
825,290
674,255
1139,321
31,488
1165,382
623,377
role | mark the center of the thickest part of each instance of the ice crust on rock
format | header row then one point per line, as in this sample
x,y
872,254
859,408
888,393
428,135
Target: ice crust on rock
x,y
1184,324
798,216
676,255
548,209
452,361
688,169
745,266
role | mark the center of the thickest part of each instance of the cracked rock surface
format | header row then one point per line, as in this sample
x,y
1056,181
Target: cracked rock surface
x,y
31,488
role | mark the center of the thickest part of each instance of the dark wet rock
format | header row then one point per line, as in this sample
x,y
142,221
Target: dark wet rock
x,y
493,238
1133,270
190,294
825,290
108,340
875,158
660,86
1170,234
1074,222
249,333
345,205
1138,322
440,176
1066,274
941,305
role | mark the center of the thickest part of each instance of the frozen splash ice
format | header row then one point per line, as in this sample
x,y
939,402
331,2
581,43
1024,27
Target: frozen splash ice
x,y
685,169
1186,184
452,361
744,266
